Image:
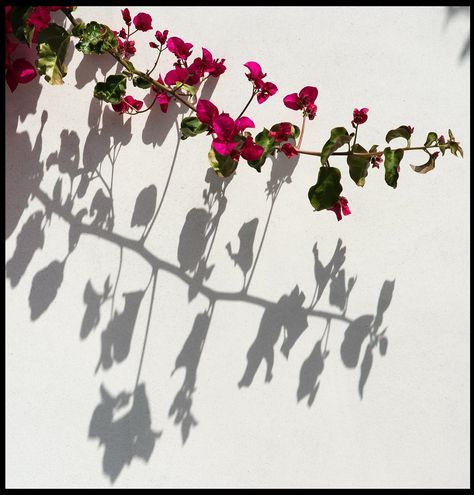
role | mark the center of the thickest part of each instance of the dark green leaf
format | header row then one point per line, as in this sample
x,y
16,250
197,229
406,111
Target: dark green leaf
x,y
192,126
52,46
339,137
391,163
223,165
327,189
96,38
78,29
426,167
21,29
403,131
141,83
358,165
431,138
112,90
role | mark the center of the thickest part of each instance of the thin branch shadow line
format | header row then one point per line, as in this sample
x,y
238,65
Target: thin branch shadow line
x,y
152,300
262,240
165,190
159,264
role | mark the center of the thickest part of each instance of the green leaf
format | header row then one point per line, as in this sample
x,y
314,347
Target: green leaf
x,y
455,147
327,189
403,131
263,139
358,165
78,29
295,132
431,138
223,165
141,83
186,87
96,38
373,148
112,90
52,46
21,29
192,126
451,135
426,167
391,163
339,137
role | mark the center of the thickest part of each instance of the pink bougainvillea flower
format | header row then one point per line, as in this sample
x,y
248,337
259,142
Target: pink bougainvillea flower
x,y
39,18
282,133
161,37
206,112
179,48
178,74
376,161
263,89
255,74
126,17
266,90
304,100
8,22
360,116
142,21
161,97
129,47
341,208
251,151
226,130
20,71
205,64
152,44
10,47
123,34
126,103
289,150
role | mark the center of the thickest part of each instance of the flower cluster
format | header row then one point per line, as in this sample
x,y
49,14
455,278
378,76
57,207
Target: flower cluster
x,y
262,89
228,133
304,100
359,116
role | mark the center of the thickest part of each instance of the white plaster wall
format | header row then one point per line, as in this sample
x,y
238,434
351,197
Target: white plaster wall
x,y
410,429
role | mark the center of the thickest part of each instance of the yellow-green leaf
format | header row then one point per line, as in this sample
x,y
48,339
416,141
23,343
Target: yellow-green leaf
x,y
52,46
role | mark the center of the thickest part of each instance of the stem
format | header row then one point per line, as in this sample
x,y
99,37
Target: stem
x,y
302,132
375,153
248,103
355,136
135,112
156,63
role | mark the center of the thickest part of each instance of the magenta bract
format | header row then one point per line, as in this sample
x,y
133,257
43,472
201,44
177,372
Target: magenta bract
x,y
142,21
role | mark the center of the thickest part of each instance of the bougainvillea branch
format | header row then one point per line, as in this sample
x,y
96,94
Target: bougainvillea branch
x,y
231,139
